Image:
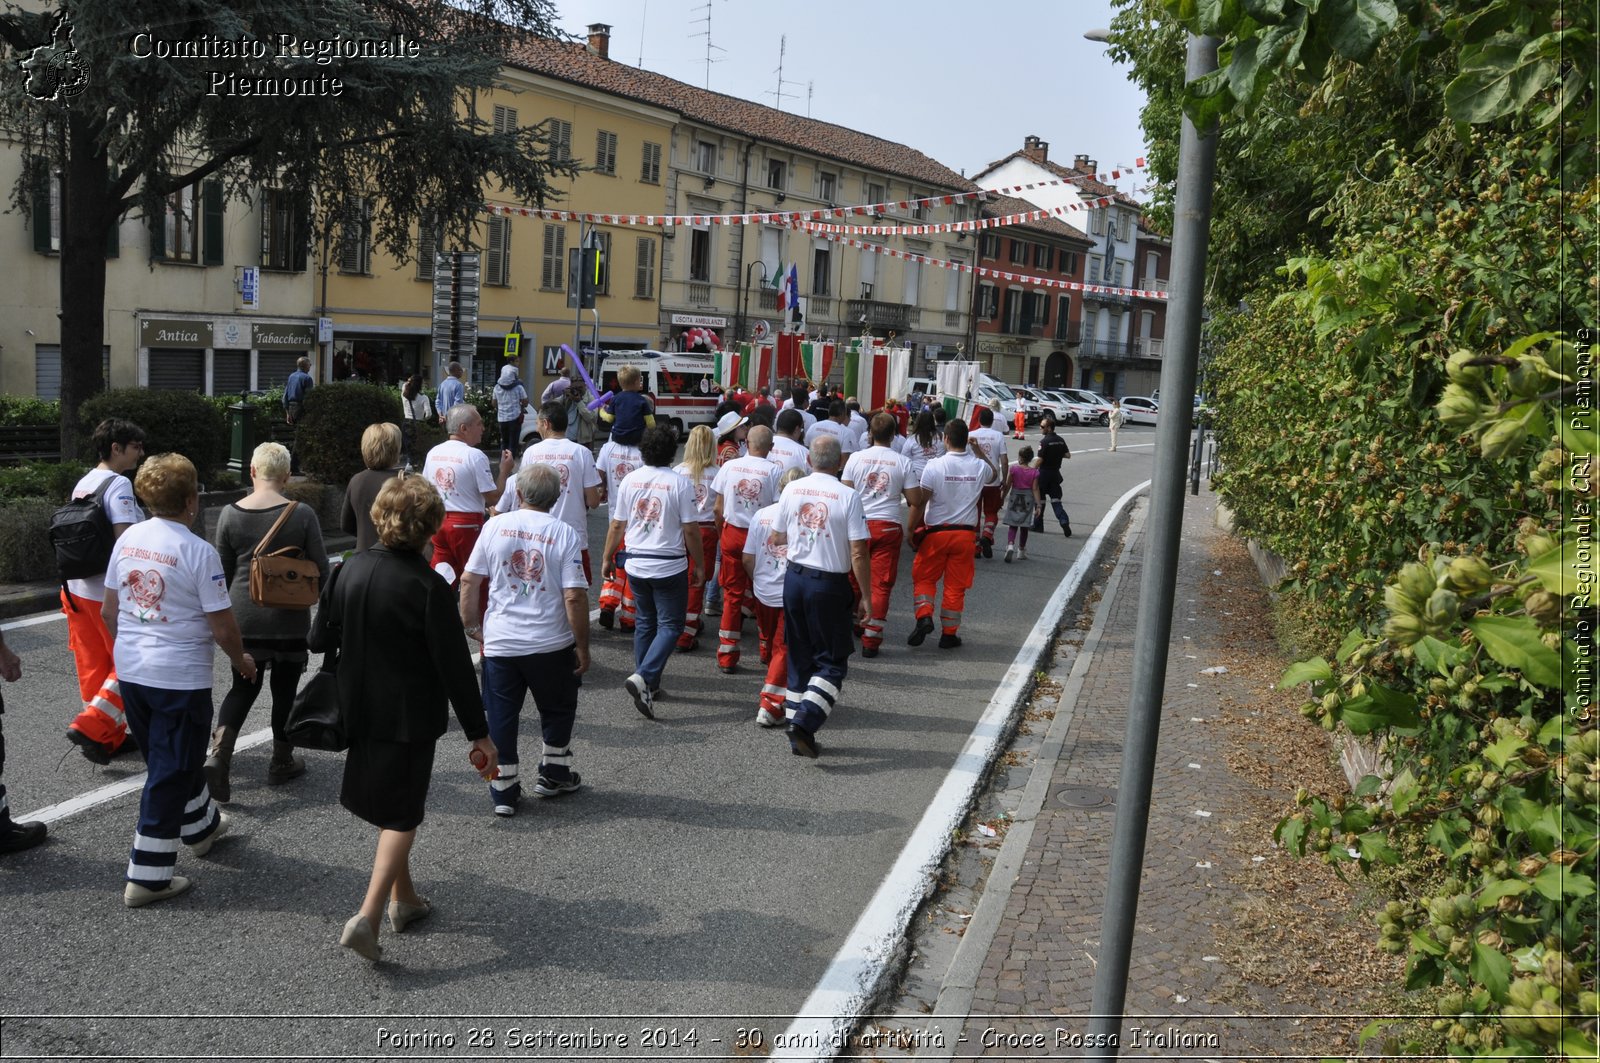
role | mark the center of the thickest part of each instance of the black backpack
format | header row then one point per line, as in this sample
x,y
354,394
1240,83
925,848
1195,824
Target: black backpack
x,y
82,535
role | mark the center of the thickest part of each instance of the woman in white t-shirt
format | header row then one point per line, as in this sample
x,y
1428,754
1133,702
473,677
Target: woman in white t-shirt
x,y
166,606
699,467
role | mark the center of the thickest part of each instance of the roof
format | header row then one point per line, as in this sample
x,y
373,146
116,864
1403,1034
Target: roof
x,y
997,206
577,65
1083,179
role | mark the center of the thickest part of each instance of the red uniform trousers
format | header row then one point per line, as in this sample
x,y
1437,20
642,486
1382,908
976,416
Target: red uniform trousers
x,y
692,622
887,537
769,622
101,719
615,597
992,497
735,590
452,545
943,555
1021,422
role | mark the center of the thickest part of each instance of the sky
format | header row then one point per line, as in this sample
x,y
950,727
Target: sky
x,y
942,76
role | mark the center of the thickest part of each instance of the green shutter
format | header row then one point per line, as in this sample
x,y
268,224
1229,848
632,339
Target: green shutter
x,y
39,217
299,233
158,230
113,237
211,226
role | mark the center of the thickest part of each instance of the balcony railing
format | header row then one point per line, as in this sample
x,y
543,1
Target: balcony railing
x,y
1118,351
1149,348
952,319
1153,284
1068,331
1108,298
819,306
895,316
767,299
700,294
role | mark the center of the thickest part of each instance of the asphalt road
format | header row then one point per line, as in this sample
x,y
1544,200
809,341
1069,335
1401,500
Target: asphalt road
x,y
702,879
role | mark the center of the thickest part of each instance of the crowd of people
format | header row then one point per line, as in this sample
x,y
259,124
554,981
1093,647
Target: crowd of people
x,y
793,515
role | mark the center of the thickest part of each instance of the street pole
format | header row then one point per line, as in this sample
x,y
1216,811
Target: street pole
x,y
1197,157
744,313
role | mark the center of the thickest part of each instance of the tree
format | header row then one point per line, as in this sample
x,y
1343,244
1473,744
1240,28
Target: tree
x,y
131,124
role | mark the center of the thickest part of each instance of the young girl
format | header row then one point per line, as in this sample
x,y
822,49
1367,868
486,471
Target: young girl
x,y
1022,502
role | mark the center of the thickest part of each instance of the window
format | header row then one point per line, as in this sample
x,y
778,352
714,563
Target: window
x,y
827,187
821,272
777,172
1097,221
1124,224
497,253
869,272
1116,273
427,247
988,246
700,254
705,156
605,153
552,259
47,369
771,254
644,274
911,289
181,225
952,290
1013,311
505,119
46,215
355,242
1063,316
988,302
1069,262
283,232
560,140
919,210
1038,309
1019,253
1094,271
875,192
650,169
1043,256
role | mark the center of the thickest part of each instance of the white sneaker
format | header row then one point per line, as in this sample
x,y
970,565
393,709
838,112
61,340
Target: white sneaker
x,y
202,847
1022,555
766,718
1011,552
636,686
137,895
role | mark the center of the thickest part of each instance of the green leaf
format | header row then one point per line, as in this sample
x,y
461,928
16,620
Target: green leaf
x,y
1578,1044
1402,791
1422,971
1564,569
1578,434
1497,78
1291,834
1351,643
1362,715
1246,76
1514,642
1368,785
1490,967
1554,881
1502,751
1355,27
1312,671
1399,708
1369,1031
1376,847
1422,942
1436,656
1506,887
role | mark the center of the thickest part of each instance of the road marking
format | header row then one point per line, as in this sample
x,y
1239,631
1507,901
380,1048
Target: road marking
x,y
848,986
32,621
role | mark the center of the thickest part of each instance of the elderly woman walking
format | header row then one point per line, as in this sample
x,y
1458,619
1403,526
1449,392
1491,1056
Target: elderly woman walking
x,y
380,452
402,656
166,606
275,638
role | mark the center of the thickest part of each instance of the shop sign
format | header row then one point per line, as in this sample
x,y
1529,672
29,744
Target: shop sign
x,y
171,332
284,337
700,320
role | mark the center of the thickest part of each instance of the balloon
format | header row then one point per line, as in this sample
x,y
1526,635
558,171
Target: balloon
x,y
601,401
568,351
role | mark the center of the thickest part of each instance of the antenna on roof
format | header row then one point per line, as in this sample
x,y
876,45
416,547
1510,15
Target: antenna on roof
x,y
779,95
643,9
707,35
811,87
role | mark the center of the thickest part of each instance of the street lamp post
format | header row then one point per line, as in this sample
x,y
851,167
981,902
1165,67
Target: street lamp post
x,y
744,310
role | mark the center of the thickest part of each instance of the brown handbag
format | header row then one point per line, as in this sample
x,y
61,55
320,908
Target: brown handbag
x,y
283,579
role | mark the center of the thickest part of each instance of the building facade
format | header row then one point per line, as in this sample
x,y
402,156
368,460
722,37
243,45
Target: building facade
x,y
1028,333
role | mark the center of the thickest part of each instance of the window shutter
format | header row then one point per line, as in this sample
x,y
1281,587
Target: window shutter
x,y
552,278
211,226
427,247
499,252
158,230
300,233
644,283
350,242
269,205
39,217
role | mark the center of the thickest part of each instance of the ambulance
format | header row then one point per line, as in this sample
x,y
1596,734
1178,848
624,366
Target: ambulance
x,y
679,384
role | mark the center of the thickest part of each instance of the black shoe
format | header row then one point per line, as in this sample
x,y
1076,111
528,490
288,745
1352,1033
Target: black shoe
x,y
92,751
608,618
802,743
869,651
923,630
988,549
728,669
15,837
949,642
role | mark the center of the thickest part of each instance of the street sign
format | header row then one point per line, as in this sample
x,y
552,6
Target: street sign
x,y
249,287
324,330
455,304
761,331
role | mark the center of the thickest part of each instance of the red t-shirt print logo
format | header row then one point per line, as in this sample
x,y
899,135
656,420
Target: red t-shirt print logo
x,y
146,588
527,566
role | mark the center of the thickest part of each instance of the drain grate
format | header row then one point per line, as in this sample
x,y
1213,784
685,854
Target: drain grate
x,y
1088,798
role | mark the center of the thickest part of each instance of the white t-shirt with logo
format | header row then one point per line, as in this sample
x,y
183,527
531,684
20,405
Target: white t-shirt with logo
x,y
120,505
575,465
896,443
920,455
655,503
821,518
616,461
994,444
167,579
746,484
879,476
461,475
772,560
847,438
955,482
788,454
530,559
705,499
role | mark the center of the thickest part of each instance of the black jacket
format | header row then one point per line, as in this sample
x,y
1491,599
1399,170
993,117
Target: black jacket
x,y
402,651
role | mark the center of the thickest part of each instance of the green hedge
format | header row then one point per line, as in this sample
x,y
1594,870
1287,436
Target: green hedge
x,y
183,421
332,418
18,410
52,481
25,552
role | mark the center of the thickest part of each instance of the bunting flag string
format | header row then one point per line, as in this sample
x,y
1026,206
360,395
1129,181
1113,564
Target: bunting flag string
x,y
982,271
975,225
788,217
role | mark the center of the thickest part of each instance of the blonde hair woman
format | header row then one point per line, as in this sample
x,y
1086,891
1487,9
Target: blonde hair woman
x,y
276,638
166,610
403,656
380,452
700,468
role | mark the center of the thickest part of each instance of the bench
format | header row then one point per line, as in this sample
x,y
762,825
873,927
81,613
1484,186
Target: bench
x,y
29,442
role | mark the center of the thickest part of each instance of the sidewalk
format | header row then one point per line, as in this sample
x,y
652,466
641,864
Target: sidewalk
x,y
1227,925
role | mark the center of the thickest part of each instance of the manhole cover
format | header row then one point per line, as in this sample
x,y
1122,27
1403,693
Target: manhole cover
x,y
1089,797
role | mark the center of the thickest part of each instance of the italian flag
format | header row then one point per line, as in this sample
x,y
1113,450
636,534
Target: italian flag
x,y
729,366
816,361
877,374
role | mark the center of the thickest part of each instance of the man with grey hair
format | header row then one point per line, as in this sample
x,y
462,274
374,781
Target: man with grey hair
x,y
535,632
742,486
460,472
821,523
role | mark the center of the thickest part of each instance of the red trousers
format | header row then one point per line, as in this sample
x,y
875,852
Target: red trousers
x,y
735,589
1021,423
887,537
992,497
453,543
697,592
101,718
769,622
616,597
945,555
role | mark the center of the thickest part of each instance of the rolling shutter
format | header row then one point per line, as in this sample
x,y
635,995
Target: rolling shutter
x,y
174,369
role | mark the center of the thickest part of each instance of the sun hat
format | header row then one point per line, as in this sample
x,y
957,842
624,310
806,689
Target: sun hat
x,y
728,422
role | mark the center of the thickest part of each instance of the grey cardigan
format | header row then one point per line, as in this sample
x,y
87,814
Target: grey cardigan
x,y
238,532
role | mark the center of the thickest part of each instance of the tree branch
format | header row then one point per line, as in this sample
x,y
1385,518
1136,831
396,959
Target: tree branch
x,y
200,173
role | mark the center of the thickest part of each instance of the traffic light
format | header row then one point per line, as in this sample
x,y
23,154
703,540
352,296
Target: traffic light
x,y
590,269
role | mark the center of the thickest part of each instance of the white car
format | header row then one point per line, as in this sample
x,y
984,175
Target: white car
x,y
1137,409
1060,408
1092,409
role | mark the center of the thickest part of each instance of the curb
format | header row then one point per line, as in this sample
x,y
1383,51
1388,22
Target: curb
x,y
859,970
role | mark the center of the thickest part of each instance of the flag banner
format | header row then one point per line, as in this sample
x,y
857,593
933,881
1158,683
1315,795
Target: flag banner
x,y
788,354
816,361
729,366
956,378
852,372
757,366
885,374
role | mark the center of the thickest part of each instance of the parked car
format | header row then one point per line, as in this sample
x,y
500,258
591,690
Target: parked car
x,y
1032,402
993,390
1139,409
1058,406
1092,409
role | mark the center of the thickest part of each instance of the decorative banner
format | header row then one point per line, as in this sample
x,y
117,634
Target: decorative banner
x,y
816,361
876,375
788,355
756,365
730,367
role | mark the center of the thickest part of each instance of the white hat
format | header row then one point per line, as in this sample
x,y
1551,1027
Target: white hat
x,y
728,422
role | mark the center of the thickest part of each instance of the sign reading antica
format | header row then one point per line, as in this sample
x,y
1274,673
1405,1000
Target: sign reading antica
x,y
168,332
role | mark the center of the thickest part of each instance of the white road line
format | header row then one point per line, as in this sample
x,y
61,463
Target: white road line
x,y
32,621
846,988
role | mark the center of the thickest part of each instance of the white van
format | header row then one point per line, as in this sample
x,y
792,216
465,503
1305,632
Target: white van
x,y
679,384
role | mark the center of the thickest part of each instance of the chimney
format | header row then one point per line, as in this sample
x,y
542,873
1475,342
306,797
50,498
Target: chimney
x,y
1080,162
600,39
1035,149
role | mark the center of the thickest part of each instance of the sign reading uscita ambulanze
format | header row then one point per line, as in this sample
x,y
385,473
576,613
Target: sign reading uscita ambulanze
x,y
284,47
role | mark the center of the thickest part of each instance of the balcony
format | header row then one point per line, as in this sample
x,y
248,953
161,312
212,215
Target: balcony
x,y
700,294
1153,284
1148,348
1107,298
1068,331
952,319
819,307
895,316
767,299
1120,351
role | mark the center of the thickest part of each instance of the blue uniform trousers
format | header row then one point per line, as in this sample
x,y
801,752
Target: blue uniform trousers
x,y
817,611
506,684
171,726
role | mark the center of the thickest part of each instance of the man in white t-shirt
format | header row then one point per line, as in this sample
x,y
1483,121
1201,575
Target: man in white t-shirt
x,y
992,444
460,472
574,465
836,425
787,450
615,462
765,562
820,522
535,633
743,486
881,478
858,422
944,519
654,509
100,730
